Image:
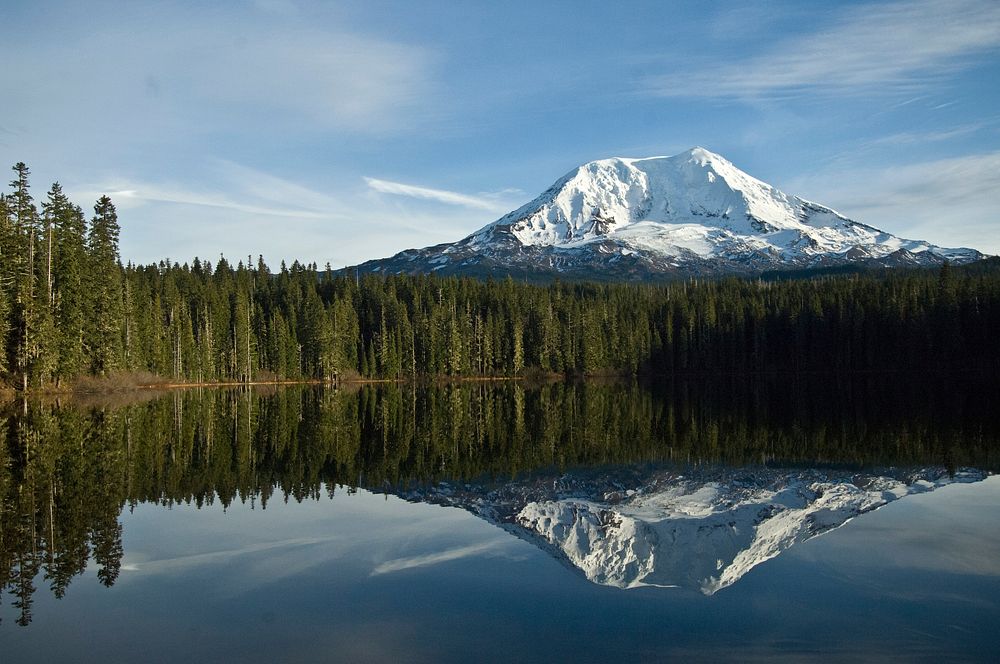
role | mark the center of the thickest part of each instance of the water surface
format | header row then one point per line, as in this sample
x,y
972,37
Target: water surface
x,y
498,522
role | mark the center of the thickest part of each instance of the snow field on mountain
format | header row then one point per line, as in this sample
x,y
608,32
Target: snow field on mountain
x,y
694,213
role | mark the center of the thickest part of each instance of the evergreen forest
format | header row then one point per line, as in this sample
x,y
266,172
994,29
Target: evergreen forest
x,y
69,310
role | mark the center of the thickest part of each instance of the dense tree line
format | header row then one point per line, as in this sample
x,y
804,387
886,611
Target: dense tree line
x,y
69,308
67,472
60,287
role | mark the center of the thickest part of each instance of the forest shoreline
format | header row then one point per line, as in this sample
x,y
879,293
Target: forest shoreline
x,y
117,385
74,319
112,387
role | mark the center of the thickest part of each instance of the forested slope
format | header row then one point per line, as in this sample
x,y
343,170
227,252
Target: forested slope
x,y
69,308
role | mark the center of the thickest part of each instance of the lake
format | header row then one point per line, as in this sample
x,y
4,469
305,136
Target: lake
x,y
782,517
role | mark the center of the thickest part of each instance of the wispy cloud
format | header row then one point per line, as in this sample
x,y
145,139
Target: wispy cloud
x,y
162,565
247,190
907,102
440,195
946,201
899,46
426,560
277,190
239,210
918,137
221,71
151,193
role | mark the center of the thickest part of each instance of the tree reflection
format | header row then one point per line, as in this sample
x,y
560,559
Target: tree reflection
x,y
68,470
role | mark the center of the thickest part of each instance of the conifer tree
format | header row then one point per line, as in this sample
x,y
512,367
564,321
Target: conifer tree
x,y
27,320
67,239
6,279
104,338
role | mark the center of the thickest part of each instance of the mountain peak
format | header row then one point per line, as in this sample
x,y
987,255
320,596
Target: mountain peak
x,y
693,213
701,155
609,196
697,154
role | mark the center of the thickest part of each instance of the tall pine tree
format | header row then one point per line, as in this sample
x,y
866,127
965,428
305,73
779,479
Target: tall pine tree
x,y
67,268
104,334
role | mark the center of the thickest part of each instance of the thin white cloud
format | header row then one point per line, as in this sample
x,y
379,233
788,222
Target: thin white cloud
x,y
907,102
950,202
151,193
439,195
426,560
919,137
898,47
238,210
267,187
161,565
248,190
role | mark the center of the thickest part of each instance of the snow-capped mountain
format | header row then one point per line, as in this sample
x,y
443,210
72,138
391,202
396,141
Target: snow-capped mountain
x,y
690,214
702,529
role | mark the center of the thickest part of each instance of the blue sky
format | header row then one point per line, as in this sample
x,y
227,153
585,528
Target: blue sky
x,y
342,132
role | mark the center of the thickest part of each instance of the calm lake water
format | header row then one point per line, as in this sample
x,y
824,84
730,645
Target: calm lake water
x,y
787,518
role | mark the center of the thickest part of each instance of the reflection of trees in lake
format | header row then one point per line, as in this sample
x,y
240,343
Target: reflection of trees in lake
x,y
67,472
60,498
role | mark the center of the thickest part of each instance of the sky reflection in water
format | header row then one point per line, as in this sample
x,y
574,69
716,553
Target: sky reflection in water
x,y
372,577
379,579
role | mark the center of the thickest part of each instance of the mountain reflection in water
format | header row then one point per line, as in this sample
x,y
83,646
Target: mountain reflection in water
x,y
689,483
701,529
